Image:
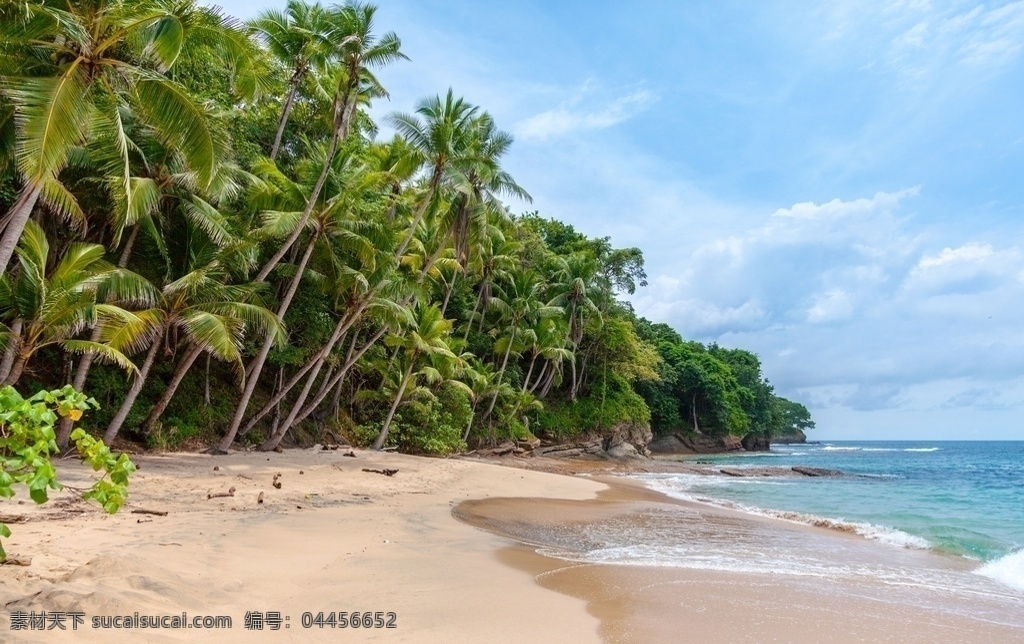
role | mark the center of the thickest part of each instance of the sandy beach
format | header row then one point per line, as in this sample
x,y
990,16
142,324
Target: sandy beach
x,y
337,538
332,538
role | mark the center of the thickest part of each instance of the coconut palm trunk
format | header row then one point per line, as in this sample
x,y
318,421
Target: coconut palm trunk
x,y
172,387
14,222
339,377
12,350
383,436
469,322
529,372
469,425
20,360
278,434
261,358
293,89
315,363
501,373
133,392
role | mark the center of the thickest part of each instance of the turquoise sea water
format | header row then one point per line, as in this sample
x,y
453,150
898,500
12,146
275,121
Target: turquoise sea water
x,y
961,498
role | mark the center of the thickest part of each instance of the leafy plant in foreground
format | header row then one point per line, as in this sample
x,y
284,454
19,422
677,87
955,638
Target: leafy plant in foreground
x,y
28,442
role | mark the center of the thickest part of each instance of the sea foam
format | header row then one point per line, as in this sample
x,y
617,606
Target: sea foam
x,y
679,486
1008,570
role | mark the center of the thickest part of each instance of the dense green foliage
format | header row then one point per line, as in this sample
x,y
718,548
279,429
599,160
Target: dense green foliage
x,y
205,211
714,391
28,443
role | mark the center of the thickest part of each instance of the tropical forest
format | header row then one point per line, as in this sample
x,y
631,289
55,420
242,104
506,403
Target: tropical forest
x,y
205,231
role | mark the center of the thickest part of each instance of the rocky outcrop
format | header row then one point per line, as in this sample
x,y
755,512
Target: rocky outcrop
x,y
623,451
694,444
795,437
639,436
622,442
815,471
756,443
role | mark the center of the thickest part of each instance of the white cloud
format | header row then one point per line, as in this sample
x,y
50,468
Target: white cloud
x,y
834,304
583,112
838,208
971,267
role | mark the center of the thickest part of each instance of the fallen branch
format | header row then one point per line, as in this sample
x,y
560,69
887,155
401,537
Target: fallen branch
x,y
218,495
158,513
385,471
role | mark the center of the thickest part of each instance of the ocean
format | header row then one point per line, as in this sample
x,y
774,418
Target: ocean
x,y
941,521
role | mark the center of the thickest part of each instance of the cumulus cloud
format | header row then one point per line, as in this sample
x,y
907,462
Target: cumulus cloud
x,y
587,110
850,306
971,268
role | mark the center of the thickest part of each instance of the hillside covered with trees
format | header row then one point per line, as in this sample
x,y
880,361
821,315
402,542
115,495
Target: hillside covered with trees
x,y
204,229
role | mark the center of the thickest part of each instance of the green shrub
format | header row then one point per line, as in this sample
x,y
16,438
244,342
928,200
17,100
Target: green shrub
x,y
611,402
28,441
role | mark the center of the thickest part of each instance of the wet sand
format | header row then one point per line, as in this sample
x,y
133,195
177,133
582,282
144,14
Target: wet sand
x,y
661,604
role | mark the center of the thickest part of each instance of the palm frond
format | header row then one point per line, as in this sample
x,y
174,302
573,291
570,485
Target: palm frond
x,y
182,124
102,352
52,116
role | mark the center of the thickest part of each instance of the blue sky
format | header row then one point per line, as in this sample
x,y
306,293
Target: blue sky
x,y
836,186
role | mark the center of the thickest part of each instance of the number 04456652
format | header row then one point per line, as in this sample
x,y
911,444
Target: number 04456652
x,y
355,619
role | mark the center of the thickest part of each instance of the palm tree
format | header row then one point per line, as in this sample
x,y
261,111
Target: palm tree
x,y
427,336
480,183
79,68
494,259
331,222
518,300
482,382
167,204
355,270
357,49
440,132
299,37
573,276
56,305
211,315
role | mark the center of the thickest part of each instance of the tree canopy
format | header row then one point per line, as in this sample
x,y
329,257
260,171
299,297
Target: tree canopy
x,y
204,209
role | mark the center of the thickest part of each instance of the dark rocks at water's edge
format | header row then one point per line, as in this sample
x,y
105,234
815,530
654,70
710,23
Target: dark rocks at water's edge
x,y
756,443
679,443
621,443
816,471
753,472
796,437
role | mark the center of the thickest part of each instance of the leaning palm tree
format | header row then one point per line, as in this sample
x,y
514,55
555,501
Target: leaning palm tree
x,y
55,305
427,336
441,133
359,50
202,311
518,301
78,67
299,37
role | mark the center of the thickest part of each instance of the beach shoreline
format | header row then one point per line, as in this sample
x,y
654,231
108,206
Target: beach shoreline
x,y
459,549
657,603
